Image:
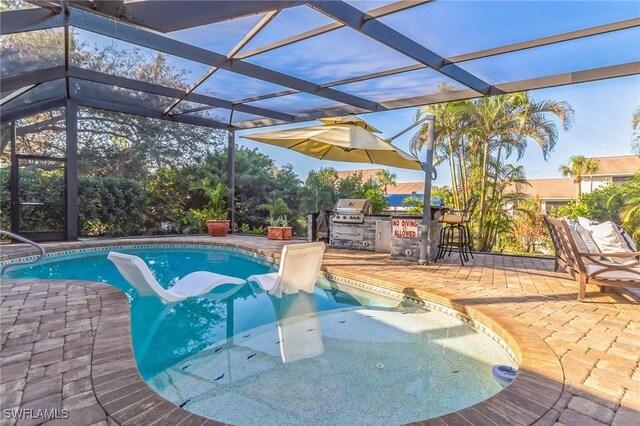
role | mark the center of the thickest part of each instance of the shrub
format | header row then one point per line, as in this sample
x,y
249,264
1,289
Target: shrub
x,y
111,206
106,206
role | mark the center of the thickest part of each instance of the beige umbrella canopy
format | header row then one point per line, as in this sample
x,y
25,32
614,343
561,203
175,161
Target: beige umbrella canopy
x,y
346,139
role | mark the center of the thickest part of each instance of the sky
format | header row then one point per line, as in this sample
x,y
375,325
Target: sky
x,y
602,127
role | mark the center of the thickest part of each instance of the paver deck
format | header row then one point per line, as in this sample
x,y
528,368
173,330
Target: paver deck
x,y
66,344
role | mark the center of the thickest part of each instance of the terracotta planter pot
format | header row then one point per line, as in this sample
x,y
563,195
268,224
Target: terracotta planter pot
x,y
277,233
218,228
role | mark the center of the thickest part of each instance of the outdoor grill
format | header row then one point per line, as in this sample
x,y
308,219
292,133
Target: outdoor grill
x,y
351,210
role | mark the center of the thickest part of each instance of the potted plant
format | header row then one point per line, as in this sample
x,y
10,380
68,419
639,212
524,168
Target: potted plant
x,y
277,220
278,229
214,215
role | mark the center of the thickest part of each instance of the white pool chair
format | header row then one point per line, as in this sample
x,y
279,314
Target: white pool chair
x,y
299,333
299,269
136,272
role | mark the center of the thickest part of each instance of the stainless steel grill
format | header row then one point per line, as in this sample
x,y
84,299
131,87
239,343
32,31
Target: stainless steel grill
x,y
351,210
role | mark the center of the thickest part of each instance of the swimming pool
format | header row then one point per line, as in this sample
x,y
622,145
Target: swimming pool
x,y
382,361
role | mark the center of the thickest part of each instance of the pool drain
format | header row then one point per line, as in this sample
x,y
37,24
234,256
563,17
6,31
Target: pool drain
x,y
379,365
504,374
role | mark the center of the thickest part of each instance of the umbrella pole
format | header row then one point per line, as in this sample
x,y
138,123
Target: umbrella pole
x,y
429,174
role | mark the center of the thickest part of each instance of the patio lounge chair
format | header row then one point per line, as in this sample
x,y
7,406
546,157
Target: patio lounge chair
x,y
299,269
562,257
136,272
594,267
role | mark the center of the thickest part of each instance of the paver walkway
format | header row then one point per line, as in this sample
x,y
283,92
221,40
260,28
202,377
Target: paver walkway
x,y
48,356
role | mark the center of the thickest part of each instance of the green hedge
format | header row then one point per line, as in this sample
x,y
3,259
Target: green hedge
x,y
111,206
107,206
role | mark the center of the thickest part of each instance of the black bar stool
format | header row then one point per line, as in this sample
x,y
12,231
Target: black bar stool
x,y
455,234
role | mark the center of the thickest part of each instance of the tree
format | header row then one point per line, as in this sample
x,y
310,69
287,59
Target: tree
x,y
320,190
477,137
372,192
277,209
528,227
578,166
635,124
109,143
627,200
385,177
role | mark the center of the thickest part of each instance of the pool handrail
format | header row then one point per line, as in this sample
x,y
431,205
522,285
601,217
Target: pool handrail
x,y
24,240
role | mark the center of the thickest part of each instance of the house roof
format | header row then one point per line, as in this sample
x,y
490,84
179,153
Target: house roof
x,y
400,188
366,174
406,188
620,165
547,189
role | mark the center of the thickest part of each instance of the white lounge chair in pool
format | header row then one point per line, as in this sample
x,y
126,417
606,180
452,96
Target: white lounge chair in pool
x,y
299,269
136,272
299,330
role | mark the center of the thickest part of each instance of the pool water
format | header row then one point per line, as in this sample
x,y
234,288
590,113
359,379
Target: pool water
x,y
350,357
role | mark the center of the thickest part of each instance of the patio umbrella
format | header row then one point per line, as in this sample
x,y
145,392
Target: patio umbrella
x,y
348,139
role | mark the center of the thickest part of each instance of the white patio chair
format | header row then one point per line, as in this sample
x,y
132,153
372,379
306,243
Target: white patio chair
x,y
136,272
299,330
299,269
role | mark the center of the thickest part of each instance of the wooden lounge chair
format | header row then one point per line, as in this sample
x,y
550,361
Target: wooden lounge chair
x,y
594,268
562,257
299,269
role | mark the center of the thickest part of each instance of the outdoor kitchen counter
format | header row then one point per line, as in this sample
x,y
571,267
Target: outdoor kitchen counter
x,y
397,234
405,234
374,234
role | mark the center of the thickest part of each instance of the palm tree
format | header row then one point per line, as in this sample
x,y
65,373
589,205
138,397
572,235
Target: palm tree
x,y
578,166
630,213
505,123
635,124
478,136
385,177
450,128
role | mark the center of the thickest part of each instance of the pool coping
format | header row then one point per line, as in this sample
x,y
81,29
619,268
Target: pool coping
x,y
126,397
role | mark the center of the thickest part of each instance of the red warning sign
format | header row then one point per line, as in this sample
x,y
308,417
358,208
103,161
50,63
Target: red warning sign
x,y
405,228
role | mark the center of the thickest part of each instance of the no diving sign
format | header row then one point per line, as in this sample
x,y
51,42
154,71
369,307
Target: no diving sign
x,y
405,228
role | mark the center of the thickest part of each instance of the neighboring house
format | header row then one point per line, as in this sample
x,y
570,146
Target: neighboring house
x,y
613,169
553,192
366,174
556,192
395,193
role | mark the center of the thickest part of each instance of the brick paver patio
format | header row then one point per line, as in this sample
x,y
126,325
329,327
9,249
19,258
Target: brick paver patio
x,y
66,344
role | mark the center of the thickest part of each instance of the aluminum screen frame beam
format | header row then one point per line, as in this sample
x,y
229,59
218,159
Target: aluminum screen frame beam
x,y
31,109
557,38
584,76
340,82
243,42
156,89
146,38
544,41
17,93
174,15
18,81
374,13
18,21
146,112
376,30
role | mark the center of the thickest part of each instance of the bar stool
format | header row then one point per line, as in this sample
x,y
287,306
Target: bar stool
x,y
455,234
